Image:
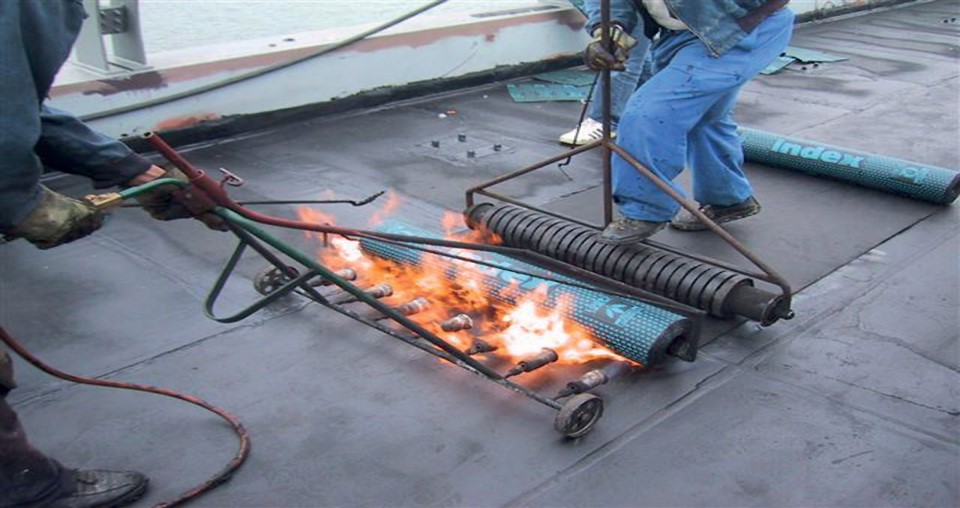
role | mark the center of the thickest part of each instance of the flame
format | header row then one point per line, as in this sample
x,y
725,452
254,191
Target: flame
x,y
391,205
453,221
315,216
532,327
518,331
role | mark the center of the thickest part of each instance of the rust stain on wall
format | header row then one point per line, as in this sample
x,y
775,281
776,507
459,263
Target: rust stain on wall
x,y
155,80
140,81
184,121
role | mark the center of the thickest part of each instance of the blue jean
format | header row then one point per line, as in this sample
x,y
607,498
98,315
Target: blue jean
x,y
683,115
622,83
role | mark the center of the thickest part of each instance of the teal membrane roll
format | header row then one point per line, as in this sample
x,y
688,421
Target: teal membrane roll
x,y
918,181
633,329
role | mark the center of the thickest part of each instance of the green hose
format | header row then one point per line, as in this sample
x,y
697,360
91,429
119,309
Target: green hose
x,y
918,181
133,192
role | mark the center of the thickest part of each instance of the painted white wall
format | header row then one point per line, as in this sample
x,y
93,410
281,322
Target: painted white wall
x,y
454,49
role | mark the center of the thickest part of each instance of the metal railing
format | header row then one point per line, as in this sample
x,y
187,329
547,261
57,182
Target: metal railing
x,y
110,41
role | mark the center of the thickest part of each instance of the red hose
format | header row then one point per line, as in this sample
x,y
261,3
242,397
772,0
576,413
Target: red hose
x,y
212,193
215,191
222,476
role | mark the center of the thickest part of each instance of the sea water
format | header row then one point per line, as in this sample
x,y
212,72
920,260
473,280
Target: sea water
x,y
178,24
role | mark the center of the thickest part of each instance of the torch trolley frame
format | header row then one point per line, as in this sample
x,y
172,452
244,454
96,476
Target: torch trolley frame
x,y
201,194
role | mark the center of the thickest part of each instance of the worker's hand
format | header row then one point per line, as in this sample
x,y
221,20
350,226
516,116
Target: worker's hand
x,y
599,58
57,220
160,202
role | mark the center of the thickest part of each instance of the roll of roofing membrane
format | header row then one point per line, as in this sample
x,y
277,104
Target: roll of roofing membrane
x,y
918,181
633,329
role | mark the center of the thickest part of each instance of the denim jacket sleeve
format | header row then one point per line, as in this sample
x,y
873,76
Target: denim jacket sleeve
x,y
622,12
35,39
68,145
19,168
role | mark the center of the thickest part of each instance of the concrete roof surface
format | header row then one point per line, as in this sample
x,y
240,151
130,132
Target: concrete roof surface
x,y
855,402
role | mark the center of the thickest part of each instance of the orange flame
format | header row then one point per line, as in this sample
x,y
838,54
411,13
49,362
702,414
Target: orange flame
x,y
518,331
393,202
452,222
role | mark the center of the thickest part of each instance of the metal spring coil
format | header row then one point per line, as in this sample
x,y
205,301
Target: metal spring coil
x,y
718,291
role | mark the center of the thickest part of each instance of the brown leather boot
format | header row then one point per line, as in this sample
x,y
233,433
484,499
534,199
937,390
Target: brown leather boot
x,y
30,479
686,221
624,231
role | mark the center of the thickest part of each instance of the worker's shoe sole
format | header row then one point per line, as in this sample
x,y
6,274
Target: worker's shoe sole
x,y
686,221
624,231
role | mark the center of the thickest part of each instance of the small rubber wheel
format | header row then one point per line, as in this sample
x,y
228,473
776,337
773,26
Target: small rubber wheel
x,y
269,280
578,415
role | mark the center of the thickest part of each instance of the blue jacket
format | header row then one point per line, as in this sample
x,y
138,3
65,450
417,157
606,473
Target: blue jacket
x,y
35,40
719,24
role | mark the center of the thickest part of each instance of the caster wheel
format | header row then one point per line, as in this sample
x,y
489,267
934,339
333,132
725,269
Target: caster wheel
x,y
269,280
578,415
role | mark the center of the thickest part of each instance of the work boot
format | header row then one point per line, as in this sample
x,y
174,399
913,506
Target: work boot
x,y
686,221
623,231
94,488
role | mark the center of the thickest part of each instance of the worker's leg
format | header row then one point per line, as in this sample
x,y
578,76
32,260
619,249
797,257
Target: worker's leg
x,y
26,475
666,109
655,125
28,478
715,151
715,156
622,83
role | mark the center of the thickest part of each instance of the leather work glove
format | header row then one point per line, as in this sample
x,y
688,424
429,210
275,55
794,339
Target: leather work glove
x,y
161,204
599,58
57,220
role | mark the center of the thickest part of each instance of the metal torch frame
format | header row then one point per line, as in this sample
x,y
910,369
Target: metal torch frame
x,y
201,195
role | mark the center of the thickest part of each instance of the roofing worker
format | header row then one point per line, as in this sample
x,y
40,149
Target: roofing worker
x,y
622,84
702,54
35,40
